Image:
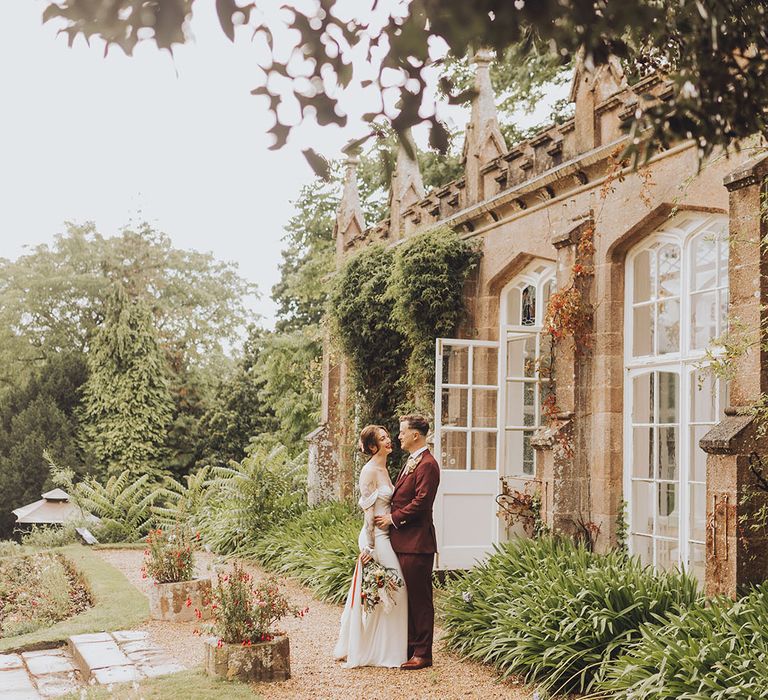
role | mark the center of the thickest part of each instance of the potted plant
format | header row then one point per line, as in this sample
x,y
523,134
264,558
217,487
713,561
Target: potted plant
x,y
244,645
170,561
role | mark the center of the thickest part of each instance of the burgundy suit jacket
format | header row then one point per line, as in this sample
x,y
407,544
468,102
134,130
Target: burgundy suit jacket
x,y
414,531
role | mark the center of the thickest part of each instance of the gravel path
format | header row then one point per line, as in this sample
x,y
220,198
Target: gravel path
x,y
314,673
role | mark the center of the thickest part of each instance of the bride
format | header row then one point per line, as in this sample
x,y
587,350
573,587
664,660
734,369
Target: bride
x,y
378,637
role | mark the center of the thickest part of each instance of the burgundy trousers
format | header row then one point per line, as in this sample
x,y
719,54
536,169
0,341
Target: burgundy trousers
x,y
417,572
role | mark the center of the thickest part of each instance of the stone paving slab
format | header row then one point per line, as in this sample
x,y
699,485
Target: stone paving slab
x,y
91,637
116,674
16,680
8,661
130,636
95,655
54,685
44,664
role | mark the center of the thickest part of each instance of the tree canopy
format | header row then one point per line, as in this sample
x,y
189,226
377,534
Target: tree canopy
x,y
53,298
714,52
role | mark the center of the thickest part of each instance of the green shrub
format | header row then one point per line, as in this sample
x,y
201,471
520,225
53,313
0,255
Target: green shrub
x,y
248,498
37,591
556,613
713,651
48,536
319,548
9,548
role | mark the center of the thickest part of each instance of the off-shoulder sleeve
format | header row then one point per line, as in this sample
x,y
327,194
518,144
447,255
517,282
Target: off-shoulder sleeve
x,y
368,495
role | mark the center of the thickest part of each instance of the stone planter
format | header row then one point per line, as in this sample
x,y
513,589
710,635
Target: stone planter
x,y
265,661
168,601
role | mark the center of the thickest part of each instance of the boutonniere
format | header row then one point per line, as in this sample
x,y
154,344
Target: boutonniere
x,y
411,464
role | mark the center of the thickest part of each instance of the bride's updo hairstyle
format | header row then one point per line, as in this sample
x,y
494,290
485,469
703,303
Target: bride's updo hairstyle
x,y
369,439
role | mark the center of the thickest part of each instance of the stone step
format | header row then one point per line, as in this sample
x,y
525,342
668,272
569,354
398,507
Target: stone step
x,y
119,657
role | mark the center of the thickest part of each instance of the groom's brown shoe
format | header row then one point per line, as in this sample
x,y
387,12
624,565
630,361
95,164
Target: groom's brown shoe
x,y
415,663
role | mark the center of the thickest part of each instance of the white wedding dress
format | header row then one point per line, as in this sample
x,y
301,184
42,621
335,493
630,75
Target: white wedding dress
x,y
378,638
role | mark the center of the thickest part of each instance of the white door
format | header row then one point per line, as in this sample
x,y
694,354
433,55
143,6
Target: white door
x,y
466,445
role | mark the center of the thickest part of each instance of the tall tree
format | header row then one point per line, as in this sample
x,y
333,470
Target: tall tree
x,y
38,415
127,405
54,298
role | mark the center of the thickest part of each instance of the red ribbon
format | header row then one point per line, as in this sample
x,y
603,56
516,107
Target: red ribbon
x,y
354,582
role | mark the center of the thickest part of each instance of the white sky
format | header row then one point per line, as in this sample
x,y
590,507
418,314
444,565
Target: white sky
x,y
178,142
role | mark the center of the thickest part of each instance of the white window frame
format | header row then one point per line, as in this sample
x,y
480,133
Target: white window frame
x,y
470,386
683,363
538,281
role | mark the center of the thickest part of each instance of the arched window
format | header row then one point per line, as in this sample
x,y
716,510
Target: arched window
x,y
676,297
526,365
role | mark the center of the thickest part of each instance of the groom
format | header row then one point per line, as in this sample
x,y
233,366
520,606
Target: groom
x,y
412,534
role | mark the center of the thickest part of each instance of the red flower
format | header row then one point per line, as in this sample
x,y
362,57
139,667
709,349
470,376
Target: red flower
x,y
220,644
188,602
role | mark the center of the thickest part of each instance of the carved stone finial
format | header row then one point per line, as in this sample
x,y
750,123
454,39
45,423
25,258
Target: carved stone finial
x,y
484,140
407,186
350,222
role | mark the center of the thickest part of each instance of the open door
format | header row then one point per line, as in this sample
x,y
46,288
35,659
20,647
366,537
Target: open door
x,y
466,446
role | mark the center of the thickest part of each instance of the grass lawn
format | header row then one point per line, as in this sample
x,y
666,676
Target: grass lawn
x,y
117,605
189,685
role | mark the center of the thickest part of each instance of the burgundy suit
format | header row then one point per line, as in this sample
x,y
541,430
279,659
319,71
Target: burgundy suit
x,y
414,541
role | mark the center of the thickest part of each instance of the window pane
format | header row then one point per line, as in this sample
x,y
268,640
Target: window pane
x,y
643,390
704,312
528,310
546,400
485,368
703,397
723,260
455,364
513,307
515,406
643,277
668,324
703,260
668,453
697,561
513,450
483,450
698,456
668,257
643,547
547,292
453,453
642,331
528,454
642,507
642,453
484,408
667,511
698,512
667,382
521,356
529,407
454,409
666,554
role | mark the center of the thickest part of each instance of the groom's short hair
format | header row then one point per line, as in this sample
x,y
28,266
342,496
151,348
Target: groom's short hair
x,y
416,422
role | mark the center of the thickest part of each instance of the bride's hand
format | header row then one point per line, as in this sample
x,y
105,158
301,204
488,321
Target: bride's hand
x,y
383,521
365,557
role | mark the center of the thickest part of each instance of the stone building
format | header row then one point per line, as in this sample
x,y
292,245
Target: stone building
x,y
663,256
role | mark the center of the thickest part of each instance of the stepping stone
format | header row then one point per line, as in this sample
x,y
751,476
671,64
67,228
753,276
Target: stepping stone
x,y
9,661
116,674
130,636
55,685
89,638
161,669
15,683
41,664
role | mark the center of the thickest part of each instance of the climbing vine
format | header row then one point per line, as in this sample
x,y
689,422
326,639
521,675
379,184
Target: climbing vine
x,y
426,290
388,306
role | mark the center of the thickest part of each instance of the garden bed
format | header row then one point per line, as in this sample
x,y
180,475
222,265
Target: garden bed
x,y
39,590
116,605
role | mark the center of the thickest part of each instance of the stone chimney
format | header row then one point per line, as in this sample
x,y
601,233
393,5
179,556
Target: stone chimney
x,y
407,186
483,140
350,222
592,85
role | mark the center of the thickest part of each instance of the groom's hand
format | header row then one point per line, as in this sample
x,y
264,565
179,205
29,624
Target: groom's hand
x,y
383,521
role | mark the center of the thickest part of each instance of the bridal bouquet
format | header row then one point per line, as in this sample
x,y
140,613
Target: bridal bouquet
x,y
378,584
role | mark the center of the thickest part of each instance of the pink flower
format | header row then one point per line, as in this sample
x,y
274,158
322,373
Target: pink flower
x,y
220,644
188,602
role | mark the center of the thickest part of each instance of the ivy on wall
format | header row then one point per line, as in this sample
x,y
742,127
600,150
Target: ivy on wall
x,y
388,306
